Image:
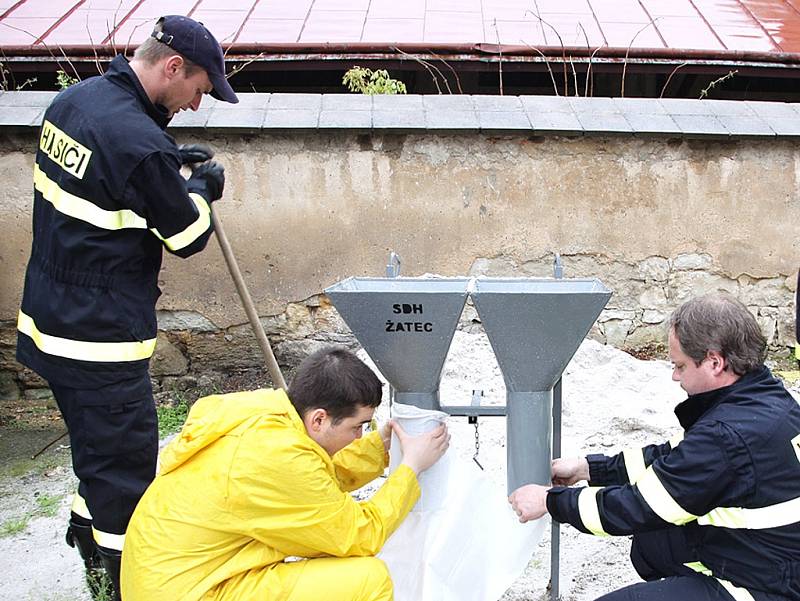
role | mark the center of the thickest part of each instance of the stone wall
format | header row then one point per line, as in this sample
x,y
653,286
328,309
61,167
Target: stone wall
x,y
657,219
646,292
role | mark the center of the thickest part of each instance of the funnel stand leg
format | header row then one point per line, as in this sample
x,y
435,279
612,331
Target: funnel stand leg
x,y
555,539
528,447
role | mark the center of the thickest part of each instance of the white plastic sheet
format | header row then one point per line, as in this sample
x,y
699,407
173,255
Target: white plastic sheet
x,y
462,541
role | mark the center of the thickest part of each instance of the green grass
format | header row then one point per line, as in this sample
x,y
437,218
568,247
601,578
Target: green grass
x,y
171,419
48,505
14,526
100,585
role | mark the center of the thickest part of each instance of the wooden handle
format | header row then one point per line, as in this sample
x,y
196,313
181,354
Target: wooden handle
x,y
247,303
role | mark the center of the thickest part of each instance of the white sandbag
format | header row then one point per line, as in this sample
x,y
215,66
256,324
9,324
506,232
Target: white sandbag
x,y
432,481
462,541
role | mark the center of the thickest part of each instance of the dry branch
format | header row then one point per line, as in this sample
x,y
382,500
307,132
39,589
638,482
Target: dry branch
x,y
453,71
430,68
664,89
546,64
628,51
500,50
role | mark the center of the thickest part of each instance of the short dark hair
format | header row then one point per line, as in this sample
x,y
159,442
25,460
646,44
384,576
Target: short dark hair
x,y
719,322
336,380
151,51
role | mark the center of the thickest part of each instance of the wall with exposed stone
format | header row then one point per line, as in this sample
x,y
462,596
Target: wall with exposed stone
x,y
657,219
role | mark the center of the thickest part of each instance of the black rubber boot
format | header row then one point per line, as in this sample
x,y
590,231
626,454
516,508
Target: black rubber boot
x,y
112,561
79,535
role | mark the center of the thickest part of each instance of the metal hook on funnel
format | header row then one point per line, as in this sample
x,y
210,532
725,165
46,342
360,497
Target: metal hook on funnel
x,y
393,267
558,268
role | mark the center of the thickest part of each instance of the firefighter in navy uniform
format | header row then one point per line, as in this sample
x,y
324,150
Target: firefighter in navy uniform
x,y
715,513
108,196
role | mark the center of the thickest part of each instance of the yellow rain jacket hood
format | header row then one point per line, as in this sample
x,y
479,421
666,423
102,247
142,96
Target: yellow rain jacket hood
x,y
241,488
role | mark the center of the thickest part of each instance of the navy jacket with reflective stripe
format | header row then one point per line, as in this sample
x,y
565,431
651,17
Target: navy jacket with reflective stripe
x,y
108,195
741,449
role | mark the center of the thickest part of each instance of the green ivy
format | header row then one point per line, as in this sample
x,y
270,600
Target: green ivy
x,y
366,81
64,80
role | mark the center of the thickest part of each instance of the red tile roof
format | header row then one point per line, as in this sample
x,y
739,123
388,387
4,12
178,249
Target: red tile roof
x,y
649,27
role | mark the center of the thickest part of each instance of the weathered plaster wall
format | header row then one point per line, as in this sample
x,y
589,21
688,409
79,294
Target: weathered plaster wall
x,y
657,219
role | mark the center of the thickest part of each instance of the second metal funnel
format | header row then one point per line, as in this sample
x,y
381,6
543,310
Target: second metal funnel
x,y
534,326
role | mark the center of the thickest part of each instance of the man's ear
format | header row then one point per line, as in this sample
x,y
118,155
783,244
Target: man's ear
x,y
717,362
173,66
315,418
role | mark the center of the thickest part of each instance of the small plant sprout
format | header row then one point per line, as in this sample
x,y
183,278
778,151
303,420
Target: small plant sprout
x,y
366,81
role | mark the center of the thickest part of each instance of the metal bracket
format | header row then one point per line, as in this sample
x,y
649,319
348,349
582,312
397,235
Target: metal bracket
x,y
558,268
393,267
474,409
477,397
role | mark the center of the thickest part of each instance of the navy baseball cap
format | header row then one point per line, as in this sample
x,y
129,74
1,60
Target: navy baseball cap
x,y
191,39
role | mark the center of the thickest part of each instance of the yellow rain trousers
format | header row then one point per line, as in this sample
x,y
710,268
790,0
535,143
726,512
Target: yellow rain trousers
x,y
242,488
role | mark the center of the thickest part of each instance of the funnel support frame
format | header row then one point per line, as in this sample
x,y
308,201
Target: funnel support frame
x,y
529,438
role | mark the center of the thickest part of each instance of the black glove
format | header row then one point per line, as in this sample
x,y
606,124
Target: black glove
x,y
207,180
195,153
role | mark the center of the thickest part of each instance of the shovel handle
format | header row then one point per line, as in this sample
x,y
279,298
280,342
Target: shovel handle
x,y
247,302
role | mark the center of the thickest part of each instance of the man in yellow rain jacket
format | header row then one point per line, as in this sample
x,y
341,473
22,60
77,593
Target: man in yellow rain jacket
x,y
257,477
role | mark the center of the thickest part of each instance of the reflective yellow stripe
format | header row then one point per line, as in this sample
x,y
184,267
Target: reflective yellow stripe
x,y
796,446
194,231
79,506
634,464
723,517
772,516
108,540
660,501
675,440
101,352
589,512
698,567
80,208
738,593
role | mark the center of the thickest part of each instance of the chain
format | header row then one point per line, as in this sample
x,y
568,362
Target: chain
x,y
477,444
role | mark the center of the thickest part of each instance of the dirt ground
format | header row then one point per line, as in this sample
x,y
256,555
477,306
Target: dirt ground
x,y
611,401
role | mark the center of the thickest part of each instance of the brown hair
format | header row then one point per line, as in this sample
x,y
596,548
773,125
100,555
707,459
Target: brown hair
x,y
336,380
152,51
719,322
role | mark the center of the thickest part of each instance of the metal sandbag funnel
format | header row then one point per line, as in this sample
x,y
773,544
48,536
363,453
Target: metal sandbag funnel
x,y
406,326
534,326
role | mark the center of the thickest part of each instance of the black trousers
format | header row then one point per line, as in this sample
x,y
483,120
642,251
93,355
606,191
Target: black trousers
x,y
113,434
659,558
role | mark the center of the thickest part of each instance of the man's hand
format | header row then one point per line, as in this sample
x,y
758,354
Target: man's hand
x,y
422,451
567,472
529,502
195,153
386,435
207,180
